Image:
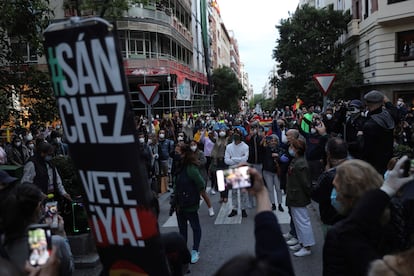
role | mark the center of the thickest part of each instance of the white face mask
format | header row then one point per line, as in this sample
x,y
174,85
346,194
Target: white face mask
x,y
313,131
222,134
31,146
193,148
58,139
162,136
18,144
328,116
29,137
149,141
141,140
184,124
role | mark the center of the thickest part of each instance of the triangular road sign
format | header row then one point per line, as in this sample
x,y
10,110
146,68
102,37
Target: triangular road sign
x,y
324,81
148,91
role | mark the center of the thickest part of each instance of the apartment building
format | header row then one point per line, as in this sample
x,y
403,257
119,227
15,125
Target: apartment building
x,y
161,42
381,37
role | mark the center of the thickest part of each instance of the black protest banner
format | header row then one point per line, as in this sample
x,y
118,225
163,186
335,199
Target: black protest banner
x,y
89,83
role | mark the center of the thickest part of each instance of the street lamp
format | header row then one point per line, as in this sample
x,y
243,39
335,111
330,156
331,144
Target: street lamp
x,y
169,89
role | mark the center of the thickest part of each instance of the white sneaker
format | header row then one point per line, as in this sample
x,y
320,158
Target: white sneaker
x,y
292,241
302,252
287,236
211,212
295,247
213,192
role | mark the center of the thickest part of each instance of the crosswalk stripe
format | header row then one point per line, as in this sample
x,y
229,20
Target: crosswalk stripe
x,y
225,209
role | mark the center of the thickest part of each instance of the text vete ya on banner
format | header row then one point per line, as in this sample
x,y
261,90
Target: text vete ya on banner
x,y
92,96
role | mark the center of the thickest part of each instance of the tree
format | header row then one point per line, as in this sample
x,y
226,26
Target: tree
x,y
227,89
309,45
24,90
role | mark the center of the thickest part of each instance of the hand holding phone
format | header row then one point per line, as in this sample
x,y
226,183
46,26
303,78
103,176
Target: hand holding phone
x,y
233,178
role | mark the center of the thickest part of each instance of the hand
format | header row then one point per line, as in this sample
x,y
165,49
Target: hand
x,y
395,180
68,197
321,128
50,268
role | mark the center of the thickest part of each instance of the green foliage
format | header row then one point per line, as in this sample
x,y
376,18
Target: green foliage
x,y
228,89
22,23
401,150
69,175
308,45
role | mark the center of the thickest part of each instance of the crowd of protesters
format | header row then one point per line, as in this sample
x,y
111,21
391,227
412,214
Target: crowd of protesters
x,y
338,157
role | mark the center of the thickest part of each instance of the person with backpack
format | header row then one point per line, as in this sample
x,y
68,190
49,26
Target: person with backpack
x,y
189,185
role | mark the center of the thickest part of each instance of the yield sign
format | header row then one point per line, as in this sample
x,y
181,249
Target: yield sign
x,y
148,91
324,81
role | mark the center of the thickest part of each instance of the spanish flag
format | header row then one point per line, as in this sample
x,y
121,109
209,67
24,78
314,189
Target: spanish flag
x,y
297,105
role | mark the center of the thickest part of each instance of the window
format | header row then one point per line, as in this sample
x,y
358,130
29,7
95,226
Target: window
x,y
367,53
404,46
25,51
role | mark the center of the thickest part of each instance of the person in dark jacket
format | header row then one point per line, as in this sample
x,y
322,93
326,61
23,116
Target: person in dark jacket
x,y
352,244
337,153
272,169
272,256
377,133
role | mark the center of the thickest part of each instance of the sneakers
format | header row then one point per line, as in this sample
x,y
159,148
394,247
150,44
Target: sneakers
x,y
287,236
280,208
195,256
244,214
292,241
211,211
232,214
295,247
302,252
273,207
213,192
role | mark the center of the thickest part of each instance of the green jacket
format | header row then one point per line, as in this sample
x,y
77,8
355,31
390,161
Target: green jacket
x,y
194,173
298,187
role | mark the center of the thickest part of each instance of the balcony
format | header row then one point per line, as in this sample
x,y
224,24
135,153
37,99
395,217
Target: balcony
x,y
395,13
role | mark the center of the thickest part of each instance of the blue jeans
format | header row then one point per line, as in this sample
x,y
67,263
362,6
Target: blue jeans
x,y
192,217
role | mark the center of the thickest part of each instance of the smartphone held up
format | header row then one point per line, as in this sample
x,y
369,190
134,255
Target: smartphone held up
x,y
39,238
233,178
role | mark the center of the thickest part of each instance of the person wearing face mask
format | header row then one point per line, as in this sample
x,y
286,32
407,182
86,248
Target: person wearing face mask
x,y
208,144
337,153
363,197
298,196
315,147
236,153
145,153
217,160
19,154
350,123
31,147
202,161
165,151
330,122
43,174
56,141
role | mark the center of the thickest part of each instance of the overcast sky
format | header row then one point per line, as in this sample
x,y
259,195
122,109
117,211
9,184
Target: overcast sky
x,y
253,23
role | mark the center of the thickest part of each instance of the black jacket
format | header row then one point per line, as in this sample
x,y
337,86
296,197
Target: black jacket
x,y
378,139
352,244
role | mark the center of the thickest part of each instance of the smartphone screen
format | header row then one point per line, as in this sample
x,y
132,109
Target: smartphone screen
x,y
234,178
51,213
39,239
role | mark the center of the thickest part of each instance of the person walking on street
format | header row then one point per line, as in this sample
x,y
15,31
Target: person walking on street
x,y
236,153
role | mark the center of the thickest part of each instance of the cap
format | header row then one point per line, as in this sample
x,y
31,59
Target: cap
x,y
6,178
374,96
356,103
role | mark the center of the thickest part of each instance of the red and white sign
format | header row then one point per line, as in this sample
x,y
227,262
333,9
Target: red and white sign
x,y
148,91
324,81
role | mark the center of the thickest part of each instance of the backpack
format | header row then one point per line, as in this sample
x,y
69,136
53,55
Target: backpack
x,y
186,192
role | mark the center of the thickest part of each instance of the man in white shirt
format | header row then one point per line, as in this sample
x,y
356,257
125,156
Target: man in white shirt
x,y
236,153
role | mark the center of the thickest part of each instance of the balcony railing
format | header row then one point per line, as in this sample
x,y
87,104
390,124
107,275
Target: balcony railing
x,y
353,28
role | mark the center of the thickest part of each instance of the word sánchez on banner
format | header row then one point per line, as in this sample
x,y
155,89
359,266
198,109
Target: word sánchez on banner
x,y
83,74
113,225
